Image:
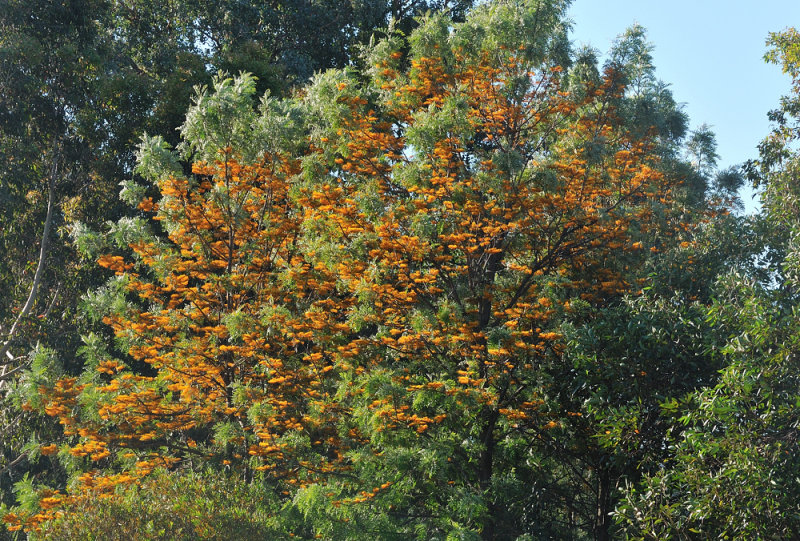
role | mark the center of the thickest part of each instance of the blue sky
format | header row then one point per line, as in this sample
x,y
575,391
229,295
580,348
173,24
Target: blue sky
x,y
711,53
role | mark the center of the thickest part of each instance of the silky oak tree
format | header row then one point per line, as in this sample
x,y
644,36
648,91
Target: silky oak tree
x,y
353,292
224,327
468,196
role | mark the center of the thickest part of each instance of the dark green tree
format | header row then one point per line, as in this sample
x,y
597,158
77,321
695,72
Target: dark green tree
x,y
733,468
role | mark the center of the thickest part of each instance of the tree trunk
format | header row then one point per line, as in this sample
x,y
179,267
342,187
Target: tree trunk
x,y
603,519
485,474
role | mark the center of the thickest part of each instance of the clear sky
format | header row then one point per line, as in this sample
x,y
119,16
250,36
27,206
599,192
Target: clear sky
x,y
711,53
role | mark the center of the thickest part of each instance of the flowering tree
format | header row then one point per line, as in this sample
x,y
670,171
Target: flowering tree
x,y
468,197
352,295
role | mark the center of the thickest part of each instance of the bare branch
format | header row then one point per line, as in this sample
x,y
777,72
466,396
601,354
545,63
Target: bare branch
x,y
14,462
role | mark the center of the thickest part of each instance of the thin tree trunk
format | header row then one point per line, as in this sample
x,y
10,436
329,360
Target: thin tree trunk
x,y
485,475
603,520
5,355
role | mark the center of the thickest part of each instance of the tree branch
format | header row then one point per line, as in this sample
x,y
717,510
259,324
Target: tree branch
x,y
14,462
37,277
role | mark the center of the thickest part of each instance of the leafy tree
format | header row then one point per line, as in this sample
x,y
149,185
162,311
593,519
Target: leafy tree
x,y
475,250
733,473
38,146
220,363
80,82
49,56
702,149
624,356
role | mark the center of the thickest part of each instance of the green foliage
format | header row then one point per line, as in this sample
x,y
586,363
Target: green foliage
x,y
702,149
732,473
180,506
732,470
81,82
